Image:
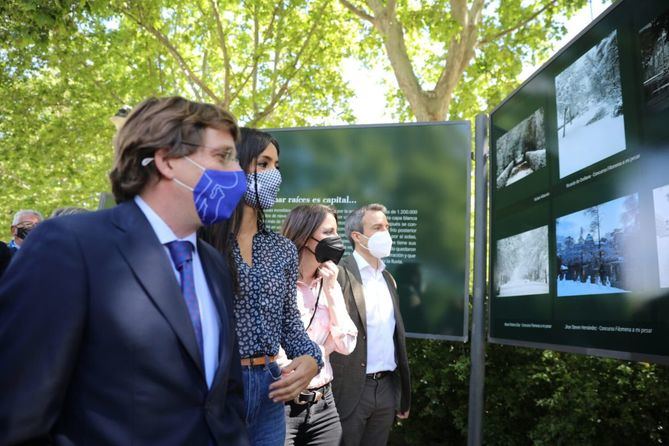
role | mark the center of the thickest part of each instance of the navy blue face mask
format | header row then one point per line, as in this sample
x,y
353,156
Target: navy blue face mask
x,y
216,194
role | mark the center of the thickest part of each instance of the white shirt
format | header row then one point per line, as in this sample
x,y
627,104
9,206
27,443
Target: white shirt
x,y
380,317
208,312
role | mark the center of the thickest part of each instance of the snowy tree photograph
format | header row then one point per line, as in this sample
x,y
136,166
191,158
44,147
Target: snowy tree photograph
x,y
522,264
597,249
654,39
522,150
661,200
590,108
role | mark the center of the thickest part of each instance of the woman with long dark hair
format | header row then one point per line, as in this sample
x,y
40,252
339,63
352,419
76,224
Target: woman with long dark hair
x,y
265,267
312,417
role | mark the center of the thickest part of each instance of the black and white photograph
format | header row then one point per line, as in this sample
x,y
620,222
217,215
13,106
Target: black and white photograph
x,y
661,201
522,150
598,249
654,39
590,108
521,266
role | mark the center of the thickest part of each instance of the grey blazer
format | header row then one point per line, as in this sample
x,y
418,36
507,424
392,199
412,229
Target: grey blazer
x,y
350,370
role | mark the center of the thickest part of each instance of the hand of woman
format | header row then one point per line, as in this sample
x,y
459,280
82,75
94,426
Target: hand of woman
x,y
328,271
295,377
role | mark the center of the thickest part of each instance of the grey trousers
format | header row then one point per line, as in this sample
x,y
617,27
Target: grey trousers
x,y
370,422
313,424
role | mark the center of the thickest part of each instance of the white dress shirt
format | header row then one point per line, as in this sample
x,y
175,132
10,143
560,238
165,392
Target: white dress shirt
x,y
380,317
208,312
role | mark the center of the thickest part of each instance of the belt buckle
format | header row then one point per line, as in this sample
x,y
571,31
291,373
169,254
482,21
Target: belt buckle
x,y
377,375
305,397
308,397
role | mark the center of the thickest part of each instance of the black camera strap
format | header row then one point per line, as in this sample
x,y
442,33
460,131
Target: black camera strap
x,y
318,296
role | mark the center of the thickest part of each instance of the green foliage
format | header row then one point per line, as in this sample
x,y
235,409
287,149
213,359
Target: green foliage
x,y
440,377
67,66
508,35
535,397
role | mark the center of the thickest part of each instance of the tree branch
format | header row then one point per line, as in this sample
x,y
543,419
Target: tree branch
x,y
226,56
294,69
165,42
392,33
256,57
254,72
357,11
461,47
518,25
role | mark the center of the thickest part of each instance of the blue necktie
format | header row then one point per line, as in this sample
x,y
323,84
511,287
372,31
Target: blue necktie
x,y
182,256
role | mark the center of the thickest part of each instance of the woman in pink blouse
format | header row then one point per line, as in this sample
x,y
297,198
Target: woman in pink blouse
x,y
312,417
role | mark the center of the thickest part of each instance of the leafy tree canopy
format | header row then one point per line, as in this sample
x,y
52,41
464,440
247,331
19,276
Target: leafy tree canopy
x,y
67,66
454,58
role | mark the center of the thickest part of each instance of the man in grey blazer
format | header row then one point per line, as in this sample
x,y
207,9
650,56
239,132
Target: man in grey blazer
x,y
372,385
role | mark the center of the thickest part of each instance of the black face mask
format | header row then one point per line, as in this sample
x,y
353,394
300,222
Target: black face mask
x,y
22,231
330,248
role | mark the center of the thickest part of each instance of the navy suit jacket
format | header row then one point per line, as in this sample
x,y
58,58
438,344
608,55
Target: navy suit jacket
x,y
96,345
5,256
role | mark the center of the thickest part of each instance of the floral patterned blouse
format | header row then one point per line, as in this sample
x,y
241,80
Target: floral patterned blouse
x,y
266,311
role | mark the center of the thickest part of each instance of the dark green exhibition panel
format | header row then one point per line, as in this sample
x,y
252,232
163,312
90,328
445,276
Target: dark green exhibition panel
x,y
579,249
420,172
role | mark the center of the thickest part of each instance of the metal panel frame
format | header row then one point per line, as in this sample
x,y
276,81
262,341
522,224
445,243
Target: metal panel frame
x,y
617,354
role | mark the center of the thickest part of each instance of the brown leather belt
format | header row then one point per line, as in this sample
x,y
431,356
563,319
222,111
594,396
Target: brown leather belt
x,y
257,361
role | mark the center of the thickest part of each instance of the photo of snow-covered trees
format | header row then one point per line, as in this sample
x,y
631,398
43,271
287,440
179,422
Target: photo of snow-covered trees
x,y
655,60
590,108
596,249
661,200
522,264
522,150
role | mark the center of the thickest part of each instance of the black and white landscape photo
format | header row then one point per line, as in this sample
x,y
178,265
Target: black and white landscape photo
x,y
661,200
521,266
598,249
590,108
654,39
522,150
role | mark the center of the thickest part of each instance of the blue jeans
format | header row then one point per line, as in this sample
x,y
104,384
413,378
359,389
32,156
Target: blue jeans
x,y
265,419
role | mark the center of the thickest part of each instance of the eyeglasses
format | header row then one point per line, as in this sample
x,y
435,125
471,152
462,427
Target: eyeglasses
x,y
228,155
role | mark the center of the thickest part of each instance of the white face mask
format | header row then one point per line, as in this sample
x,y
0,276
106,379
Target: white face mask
x,y
379,244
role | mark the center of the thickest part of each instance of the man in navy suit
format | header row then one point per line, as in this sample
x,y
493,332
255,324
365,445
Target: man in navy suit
x,y
5,257
108,334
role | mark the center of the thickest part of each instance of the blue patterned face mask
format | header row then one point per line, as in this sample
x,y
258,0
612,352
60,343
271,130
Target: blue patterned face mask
x,y
217,193
268,183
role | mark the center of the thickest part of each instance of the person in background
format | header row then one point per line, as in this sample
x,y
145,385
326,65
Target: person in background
x,y
372,385
121,116
23,222
312,417
265,265
116,326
